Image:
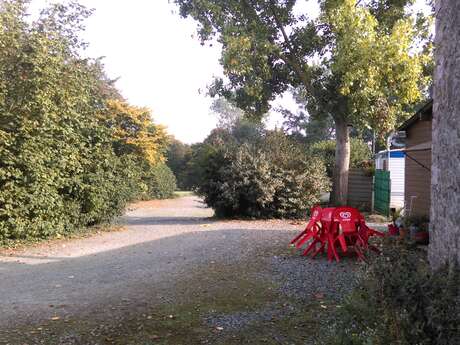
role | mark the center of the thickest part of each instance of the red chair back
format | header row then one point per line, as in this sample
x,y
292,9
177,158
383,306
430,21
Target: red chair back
x,y
313,226
316,213
347,217
326,217
315,217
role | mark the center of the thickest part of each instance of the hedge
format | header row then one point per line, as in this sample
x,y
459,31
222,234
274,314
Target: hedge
x,y
60,164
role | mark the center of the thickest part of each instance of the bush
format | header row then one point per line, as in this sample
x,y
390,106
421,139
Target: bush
x,y
267,178
400,301
104,191
69,155
178,155
160,182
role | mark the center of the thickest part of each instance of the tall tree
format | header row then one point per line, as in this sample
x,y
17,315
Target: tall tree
x,y
178,155
306,126
445,177
134,131
352,67
227,113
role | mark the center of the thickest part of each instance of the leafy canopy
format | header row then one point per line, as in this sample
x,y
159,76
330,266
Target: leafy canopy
x,y
379,72
356,62
134,131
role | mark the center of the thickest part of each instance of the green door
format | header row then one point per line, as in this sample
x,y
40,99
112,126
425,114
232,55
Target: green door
x,y
382,192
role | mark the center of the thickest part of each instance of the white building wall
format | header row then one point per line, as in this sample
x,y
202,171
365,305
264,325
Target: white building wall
x,y
397,167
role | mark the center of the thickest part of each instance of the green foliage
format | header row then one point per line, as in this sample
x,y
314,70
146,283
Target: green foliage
x,y
267,176
400,301
195,167
369,65
134,132
178,155
357,63
379,72
325,150
421,222
160,182
307,128
59,169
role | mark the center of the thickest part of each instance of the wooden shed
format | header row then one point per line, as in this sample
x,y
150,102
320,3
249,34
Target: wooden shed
x,y
417,185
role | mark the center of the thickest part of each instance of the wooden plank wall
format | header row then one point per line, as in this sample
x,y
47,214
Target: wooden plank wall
x,y
418,179
359,190
418,183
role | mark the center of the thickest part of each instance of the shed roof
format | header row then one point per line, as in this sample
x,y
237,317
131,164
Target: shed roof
x,y
424,113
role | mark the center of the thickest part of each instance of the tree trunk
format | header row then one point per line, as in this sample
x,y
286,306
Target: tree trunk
x,y
339,194
445,173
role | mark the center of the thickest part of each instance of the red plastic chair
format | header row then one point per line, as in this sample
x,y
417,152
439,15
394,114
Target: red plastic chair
x,y
329,226
347,222
367,232
312,227
322,235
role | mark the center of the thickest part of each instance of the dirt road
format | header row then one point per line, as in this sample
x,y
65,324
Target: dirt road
x,y
172,275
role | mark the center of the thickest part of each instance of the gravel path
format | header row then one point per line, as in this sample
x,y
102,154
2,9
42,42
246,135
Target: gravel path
x,y
169,253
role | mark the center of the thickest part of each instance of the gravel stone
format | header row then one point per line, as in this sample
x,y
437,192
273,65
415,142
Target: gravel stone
x,y
162,245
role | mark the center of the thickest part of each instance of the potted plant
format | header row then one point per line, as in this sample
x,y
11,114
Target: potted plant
x,y
396,222
417,228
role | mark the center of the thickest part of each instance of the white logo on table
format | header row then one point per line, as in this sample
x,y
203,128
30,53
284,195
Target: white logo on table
x,y
345,215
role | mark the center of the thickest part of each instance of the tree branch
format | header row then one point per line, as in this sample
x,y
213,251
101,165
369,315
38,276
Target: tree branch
x,y
292,58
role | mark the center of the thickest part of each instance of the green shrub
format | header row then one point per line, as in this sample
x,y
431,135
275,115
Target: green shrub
x,y
178,155
59,170
104,191
160,182
265,178
400,301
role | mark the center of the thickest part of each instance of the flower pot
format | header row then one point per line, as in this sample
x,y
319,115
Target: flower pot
x,y
413,229
422,237
402,233
393,230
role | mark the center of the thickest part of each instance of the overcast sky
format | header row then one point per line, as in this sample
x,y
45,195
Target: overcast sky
x,y
159,61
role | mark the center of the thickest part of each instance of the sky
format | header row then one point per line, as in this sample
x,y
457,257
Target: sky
x,y
159,61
